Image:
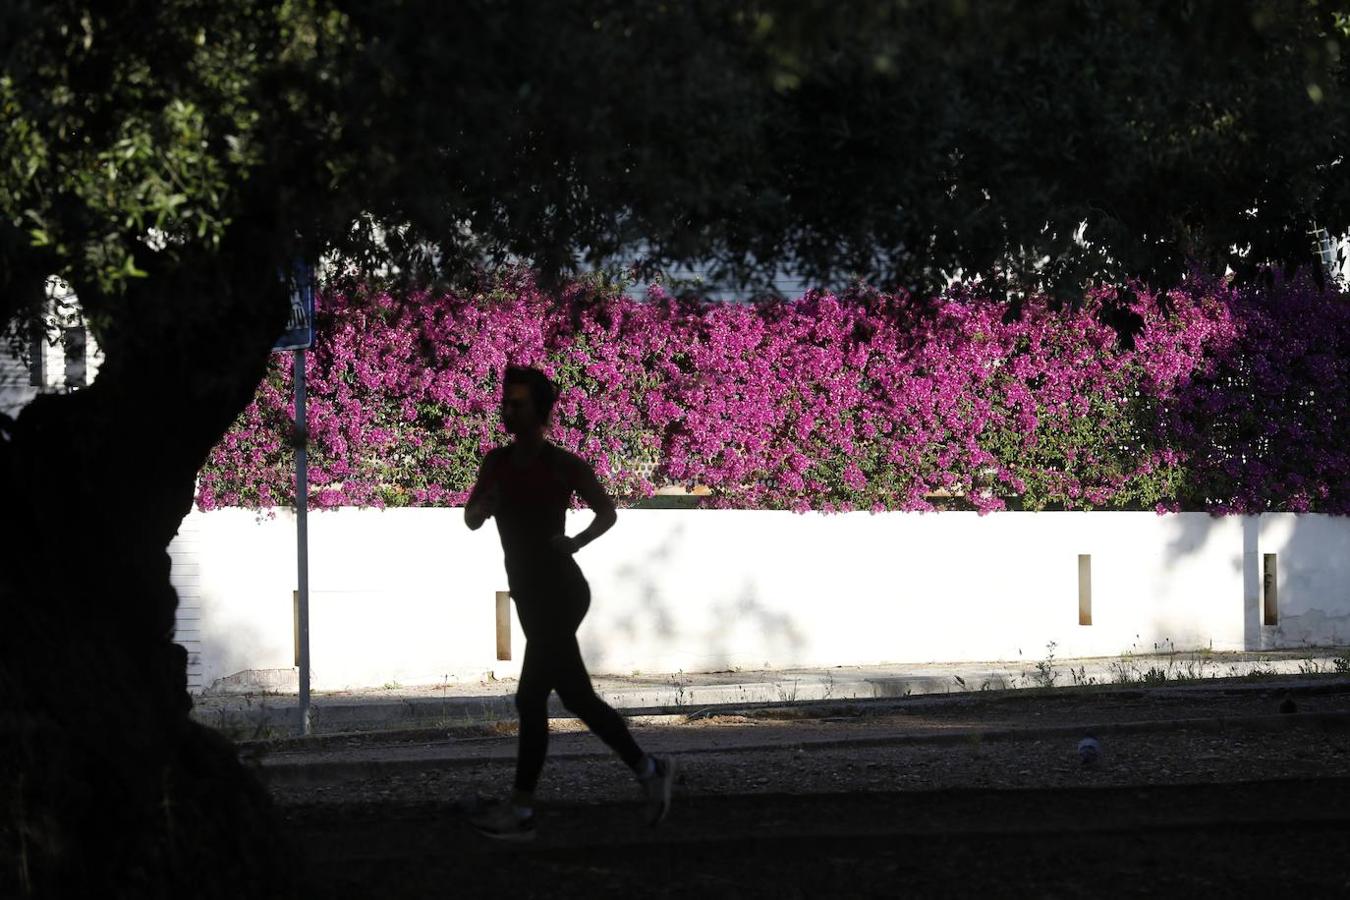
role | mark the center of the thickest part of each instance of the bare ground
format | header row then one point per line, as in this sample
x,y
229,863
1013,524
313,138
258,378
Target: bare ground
x,y
976,794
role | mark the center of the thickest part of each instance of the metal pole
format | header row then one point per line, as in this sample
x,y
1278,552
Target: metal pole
x,y
302,534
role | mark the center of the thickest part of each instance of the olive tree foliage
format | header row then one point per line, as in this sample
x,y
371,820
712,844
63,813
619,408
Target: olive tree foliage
x,y
1041,145
1059,143
898,141
424,136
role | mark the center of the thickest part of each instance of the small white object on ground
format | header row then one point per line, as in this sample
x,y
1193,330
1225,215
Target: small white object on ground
x,y
1089,751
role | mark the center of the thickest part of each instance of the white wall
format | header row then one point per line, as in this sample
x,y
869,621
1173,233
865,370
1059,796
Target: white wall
x,y
407,595
1313,566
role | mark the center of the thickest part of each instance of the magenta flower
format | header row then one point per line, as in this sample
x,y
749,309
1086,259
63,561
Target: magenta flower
x,y
1229,400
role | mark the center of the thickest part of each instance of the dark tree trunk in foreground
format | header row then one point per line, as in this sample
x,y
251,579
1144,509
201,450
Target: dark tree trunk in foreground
x,y
108,788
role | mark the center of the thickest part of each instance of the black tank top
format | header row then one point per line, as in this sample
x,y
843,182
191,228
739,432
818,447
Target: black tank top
x,y
532,507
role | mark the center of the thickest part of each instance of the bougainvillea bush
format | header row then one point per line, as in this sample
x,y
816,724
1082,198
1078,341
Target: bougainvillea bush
x,y
1223,399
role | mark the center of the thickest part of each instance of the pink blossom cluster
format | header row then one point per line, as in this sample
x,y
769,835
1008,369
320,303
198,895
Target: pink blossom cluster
x,y
1229,399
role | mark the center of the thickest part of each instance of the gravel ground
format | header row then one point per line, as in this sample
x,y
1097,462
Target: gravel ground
x,y
937,797
884,748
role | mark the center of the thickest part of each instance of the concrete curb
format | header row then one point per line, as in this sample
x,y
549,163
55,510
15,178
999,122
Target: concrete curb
x,y
292,773
786,711
372,712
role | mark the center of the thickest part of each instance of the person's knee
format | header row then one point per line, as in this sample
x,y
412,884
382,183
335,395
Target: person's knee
x,y
581,701
531,704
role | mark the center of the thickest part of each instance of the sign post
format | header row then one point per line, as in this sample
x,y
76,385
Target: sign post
x,y
298,337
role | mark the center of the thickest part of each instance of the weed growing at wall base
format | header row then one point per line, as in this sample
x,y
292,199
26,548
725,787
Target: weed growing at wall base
x,y
1046,674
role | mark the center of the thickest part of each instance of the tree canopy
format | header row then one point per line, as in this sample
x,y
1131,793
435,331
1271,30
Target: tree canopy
x,y
894,141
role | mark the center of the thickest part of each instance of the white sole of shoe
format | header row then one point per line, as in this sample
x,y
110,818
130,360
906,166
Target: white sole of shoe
x,y
512,837
667,787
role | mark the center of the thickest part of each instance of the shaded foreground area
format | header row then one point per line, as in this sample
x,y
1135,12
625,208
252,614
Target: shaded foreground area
x,y
1197,790
1275,836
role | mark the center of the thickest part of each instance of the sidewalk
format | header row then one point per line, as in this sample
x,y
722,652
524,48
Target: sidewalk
x,y
254,716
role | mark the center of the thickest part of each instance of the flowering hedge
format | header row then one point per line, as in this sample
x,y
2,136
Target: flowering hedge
x,y
1229,400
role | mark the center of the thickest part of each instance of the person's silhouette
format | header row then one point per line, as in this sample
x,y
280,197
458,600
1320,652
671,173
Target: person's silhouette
x,y
527,486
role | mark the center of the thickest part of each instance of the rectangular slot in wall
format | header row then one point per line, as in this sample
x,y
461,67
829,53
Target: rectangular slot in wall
x,y
1270,590
295,625
1085,589
504,625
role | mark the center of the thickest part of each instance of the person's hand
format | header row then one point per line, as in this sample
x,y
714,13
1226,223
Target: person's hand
x,y
482,507
485,506
563,544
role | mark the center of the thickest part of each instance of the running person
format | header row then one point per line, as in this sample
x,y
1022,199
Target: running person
x,y
527,486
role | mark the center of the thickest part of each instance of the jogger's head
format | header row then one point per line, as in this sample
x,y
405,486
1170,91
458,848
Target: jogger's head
x,y
527,399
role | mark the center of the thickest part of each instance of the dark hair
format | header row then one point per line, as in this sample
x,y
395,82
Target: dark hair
x,y
542,392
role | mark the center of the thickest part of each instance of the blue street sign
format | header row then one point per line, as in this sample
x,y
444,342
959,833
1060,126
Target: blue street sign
x,y
299,333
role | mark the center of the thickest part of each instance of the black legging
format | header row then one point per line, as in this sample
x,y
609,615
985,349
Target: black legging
x,y
550,615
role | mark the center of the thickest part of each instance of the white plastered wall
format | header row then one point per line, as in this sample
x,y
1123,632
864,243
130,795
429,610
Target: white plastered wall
x,y
407,595
1312,571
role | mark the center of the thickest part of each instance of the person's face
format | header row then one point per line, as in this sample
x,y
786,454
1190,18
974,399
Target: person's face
x,y
518,412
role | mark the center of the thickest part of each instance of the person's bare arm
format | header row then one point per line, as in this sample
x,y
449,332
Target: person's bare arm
x,y
590,490
482,501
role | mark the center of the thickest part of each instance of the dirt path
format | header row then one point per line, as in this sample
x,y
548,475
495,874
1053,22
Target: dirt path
x,y
882,802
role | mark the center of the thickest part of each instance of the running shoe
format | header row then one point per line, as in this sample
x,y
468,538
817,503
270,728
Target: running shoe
x,y
501,822
656,787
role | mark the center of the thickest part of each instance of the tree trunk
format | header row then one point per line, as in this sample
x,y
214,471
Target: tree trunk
x,y
108,788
